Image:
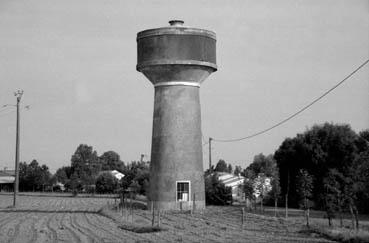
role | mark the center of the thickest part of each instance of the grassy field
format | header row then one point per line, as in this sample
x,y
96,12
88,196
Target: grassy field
x,y
58,218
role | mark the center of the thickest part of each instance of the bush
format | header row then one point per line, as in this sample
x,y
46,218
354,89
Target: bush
x,y
106,183
216,192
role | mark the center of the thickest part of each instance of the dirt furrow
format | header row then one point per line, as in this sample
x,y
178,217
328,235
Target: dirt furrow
x,y
129,234
13,233
55,224
4,219
53,232
4,229
114,234
159,236
80,225
3,232
187,225
215,229
177,227
37,228
73,232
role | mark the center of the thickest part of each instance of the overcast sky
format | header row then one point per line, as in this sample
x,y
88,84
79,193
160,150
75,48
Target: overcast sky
x,y
75,61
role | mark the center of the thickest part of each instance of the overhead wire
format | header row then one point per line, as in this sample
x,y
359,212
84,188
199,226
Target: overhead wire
x,y
7,113
296,113
12,111
4,108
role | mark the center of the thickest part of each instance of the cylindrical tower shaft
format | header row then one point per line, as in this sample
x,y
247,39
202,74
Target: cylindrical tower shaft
x,y
176,148
176,60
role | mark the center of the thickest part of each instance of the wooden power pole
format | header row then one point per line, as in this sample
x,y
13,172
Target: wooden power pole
x,y
210,154
18,94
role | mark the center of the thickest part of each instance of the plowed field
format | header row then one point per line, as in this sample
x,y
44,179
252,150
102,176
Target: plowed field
x,y
77,219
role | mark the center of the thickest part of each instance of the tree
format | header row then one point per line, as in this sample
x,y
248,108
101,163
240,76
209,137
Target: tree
x,y
304,189
106,183
23,178
354,185
33,177
361,166
63,174
317,150
250,174
139,173
237,170
216,192
333,194
110,160
229,168
263,164
44,177
248,189
261,188
276,191
75,184
85,164
135,186
364,134
221,166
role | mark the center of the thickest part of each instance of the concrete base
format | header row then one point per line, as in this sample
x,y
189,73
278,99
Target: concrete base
x,y
187,205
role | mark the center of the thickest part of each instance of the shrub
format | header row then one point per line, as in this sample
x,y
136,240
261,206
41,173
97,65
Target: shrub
x,y
216,192
106,183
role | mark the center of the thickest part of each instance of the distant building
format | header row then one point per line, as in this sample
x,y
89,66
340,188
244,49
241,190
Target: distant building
x,y
234,182
262,183
7,178
114,173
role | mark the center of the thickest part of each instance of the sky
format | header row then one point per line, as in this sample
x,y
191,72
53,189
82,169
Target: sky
x,y
75,61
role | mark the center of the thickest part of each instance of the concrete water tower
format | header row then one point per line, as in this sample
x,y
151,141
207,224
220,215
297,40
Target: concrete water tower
x,y
176,59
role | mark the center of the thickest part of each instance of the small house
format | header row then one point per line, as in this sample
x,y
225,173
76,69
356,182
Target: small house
x,y
7,178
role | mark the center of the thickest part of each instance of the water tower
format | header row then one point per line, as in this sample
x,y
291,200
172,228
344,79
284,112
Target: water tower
x,y
176,59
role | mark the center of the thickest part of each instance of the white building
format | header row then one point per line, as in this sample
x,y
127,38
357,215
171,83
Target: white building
x,y
6,179
263,185
114,173
233,181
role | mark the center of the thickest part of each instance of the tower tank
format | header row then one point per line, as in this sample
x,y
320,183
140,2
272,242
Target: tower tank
x,y
176,59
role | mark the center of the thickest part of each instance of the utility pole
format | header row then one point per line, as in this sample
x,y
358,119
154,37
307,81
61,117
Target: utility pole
x,y
287,191
17,94
210,153
142,157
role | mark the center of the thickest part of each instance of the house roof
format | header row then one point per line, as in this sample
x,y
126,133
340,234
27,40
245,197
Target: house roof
x,y
7,172
231,180
7,177
115,173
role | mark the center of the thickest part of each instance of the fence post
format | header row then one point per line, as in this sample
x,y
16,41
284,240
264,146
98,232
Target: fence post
x,y
194,203
131,210
243,215
158,217
153,213
116,205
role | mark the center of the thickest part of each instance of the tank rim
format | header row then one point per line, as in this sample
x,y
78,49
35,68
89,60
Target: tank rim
x,y
146,64
177,30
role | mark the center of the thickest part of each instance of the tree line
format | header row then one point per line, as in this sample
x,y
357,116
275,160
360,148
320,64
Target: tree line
x,y
325,168
332,162
87,172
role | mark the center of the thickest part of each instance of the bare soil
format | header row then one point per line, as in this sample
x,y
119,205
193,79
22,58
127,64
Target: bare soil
x,y
81,219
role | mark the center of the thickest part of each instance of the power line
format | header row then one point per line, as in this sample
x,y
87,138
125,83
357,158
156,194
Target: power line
x,y
5,107
296,113
7,113
27,107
